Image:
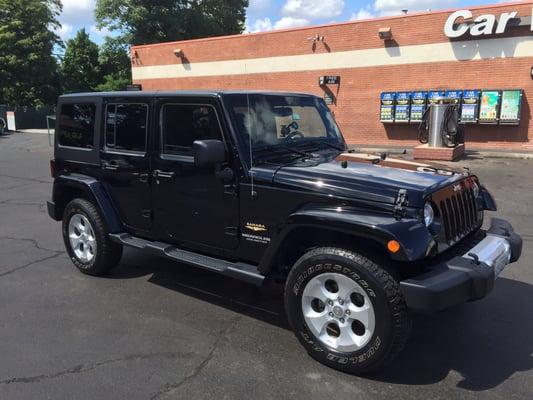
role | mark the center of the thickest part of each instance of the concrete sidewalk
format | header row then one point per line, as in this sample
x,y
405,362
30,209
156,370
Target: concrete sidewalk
x,y
38,131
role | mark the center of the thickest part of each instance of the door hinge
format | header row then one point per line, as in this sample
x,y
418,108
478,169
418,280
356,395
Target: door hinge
x,y
400,204
231,189
146,214
144,177
231,230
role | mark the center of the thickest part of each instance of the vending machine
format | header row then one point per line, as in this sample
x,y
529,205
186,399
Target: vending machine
x,y
511,107
489,107
455,96
418,106
403,107
470,107
434,95
388,104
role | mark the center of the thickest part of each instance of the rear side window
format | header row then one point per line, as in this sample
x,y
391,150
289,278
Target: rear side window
x,y
126,127
182,124
76,125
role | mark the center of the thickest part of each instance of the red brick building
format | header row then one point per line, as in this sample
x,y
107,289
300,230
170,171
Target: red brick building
x,y
488,52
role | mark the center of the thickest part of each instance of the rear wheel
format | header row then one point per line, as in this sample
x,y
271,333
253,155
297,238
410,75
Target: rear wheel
x,y
347,311
81,237
86,239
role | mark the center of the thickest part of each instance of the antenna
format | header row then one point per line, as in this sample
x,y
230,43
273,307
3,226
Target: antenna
x,y
253,193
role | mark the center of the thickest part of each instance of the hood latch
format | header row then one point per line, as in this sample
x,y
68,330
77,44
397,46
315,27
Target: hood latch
x,y
400,204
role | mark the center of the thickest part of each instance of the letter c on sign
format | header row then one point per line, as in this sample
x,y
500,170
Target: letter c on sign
x,y
449,29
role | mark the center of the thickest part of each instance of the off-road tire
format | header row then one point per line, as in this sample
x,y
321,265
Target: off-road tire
x,y
392,319
108,253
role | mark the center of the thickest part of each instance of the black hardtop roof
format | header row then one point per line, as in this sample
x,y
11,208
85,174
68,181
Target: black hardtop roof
x,y
179,93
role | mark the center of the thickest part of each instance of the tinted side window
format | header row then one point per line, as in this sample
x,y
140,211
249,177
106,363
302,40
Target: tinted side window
x,y
76,125
183,124
126,127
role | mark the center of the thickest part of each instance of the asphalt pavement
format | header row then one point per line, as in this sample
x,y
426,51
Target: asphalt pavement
x,y
153,329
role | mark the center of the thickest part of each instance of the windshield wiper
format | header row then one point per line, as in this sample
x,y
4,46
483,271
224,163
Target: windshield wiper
x,y
334,146
288,148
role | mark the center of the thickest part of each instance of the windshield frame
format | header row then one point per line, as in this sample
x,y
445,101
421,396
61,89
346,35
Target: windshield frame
x,y
244,146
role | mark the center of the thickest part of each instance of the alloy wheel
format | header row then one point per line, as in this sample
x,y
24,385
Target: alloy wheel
x,y
338,312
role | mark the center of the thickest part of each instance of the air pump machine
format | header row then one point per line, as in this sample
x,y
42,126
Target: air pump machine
x,y
440,124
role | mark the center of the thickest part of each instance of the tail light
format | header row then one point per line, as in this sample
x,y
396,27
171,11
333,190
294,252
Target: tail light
x,y
53,168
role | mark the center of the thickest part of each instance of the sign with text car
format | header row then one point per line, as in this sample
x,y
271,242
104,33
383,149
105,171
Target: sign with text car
x,y
482,25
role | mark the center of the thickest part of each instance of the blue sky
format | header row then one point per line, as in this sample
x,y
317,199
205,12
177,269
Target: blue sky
x,y
265,15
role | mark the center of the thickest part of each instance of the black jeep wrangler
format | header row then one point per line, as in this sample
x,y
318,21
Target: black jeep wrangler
x,y
258,185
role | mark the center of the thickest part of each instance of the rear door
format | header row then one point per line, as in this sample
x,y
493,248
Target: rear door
x,y
194,207
125,161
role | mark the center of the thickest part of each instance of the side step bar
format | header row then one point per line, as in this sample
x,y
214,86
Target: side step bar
x,y
238,270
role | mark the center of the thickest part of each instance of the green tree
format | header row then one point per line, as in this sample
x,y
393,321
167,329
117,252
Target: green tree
x,y
217,18
28,69
152,21
80,69
115,65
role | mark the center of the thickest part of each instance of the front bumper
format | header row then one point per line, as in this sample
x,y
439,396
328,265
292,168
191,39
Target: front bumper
x,y
465,278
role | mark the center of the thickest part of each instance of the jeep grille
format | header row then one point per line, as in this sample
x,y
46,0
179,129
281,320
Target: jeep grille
x,y
458,210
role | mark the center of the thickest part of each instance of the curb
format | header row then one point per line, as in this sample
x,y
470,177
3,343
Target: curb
x,y
471,152
33,131
497,154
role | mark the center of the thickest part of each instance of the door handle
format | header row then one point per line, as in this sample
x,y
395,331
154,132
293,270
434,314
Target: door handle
x,y
163,174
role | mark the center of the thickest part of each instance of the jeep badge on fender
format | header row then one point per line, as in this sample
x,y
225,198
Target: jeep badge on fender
x,y
254,185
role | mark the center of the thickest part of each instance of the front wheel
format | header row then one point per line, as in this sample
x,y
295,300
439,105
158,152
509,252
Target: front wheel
x,y
347,311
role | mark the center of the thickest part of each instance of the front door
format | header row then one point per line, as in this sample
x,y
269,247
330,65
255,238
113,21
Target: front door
x,y
125,163
194,207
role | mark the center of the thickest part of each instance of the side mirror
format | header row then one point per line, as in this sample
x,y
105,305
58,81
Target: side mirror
x,y
208,152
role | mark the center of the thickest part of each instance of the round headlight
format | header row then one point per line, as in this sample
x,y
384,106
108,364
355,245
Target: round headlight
x,y
475,189
429,214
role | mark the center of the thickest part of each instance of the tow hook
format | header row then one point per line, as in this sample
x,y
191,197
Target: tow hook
x,y
475,258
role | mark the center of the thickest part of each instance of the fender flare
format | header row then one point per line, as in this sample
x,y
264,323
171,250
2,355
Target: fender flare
x,y
487,200
380,227
95,191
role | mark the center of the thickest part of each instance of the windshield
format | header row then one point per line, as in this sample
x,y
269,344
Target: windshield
x,y
276,122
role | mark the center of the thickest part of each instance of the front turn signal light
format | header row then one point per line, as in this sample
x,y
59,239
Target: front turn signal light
x,y
393,246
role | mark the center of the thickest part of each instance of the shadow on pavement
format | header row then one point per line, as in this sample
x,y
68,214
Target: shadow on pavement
x,y
264,304
486,342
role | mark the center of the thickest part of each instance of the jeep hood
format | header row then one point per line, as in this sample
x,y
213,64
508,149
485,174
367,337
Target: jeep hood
x,y
367,177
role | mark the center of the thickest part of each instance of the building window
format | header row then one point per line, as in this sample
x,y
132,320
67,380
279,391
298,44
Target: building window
x,y
76,125
183,124
126,127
